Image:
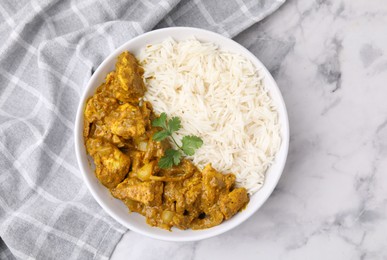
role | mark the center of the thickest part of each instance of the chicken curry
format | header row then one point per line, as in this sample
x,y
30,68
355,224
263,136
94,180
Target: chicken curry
x,y
118,136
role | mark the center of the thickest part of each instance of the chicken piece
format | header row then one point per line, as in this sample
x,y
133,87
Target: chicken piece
x,y
233,202
114,90
229,180
126,121
182,221
154,217
97,107
174,194
111,164
208,218
147,192
133,206
213,183
129,75
99,130
191,209
194,189
183,198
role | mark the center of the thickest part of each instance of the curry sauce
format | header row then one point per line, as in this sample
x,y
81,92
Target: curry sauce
x,y
118,136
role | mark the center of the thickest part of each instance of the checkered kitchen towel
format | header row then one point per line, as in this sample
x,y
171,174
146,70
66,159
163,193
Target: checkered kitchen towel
x,y
48,51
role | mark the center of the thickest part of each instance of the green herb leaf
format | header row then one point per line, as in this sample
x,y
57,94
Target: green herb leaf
x,y
161,121
176,155
165,162
170,158
159,136
190,143
174,124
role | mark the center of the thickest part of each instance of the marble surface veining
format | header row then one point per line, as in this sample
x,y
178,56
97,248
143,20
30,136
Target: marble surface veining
x,y
329,58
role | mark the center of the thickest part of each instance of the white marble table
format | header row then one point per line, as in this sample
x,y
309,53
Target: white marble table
x,y
329,58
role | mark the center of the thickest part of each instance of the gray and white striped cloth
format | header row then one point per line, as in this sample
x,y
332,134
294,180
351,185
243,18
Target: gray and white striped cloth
x,y
48,51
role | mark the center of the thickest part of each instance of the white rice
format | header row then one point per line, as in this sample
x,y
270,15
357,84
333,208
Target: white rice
x,y
220,97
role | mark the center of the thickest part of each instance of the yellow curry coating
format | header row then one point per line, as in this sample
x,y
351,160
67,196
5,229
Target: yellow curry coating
x,y
118,136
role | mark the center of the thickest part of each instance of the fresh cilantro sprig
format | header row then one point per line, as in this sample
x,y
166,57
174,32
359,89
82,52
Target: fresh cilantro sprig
x,y
189,143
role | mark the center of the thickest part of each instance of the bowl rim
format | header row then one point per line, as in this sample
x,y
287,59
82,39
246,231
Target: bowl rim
x,y
78,134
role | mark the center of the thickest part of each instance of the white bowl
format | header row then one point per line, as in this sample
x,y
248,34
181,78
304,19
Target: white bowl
x,y
115,208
